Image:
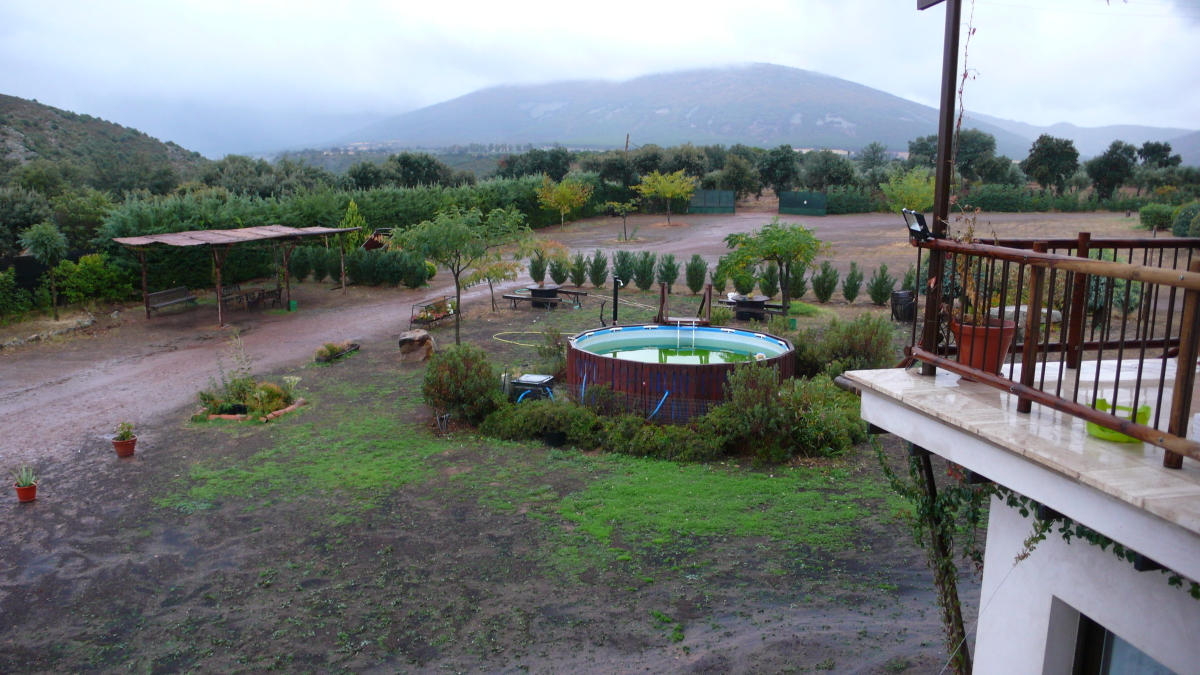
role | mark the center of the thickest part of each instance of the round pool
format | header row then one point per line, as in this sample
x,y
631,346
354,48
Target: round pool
x,y
662,362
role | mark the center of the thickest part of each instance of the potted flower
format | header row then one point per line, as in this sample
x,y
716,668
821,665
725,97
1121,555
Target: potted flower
x,y
983,340
26,484
125,440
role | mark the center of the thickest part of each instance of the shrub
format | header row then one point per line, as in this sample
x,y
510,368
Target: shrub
x,y
529,420
537,268
910,278
13,301
744,280
598,269
299,265
319,263
695,272
721,315
430,270
460,380
768,283
578,270
850,199
825,282
881,285
825,419
668,270
860,344
330,348
93,278
553,351
1181,224
808,353
1156,216
632,435
1195,228
558,270
624,263
720,277
643,271
853,283
797,284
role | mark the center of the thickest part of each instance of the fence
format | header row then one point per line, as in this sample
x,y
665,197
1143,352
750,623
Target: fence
x,y
802,203
712,201
1112,328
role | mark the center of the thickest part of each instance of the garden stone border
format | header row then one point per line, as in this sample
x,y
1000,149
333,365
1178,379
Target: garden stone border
x,y
270,416
80,324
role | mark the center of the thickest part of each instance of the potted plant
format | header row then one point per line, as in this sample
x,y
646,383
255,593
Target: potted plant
x,y
983,340
125,440
25,482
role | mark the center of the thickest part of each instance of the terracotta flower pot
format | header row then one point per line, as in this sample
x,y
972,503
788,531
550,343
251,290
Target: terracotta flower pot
x,y
984,347
26,494
124,448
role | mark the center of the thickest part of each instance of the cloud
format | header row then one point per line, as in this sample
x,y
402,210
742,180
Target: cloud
x,y
226,76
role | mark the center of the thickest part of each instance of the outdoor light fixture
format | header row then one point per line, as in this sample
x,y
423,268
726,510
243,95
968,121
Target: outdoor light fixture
x,y
917,229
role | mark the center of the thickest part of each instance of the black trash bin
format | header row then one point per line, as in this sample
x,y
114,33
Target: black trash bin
x,y
904,306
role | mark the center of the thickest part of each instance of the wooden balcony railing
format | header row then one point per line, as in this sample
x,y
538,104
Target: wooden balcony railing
x,y
1106,330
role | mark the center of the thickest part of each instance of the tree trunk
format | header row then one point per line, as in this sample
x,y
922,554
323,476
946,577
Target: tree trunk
x,y
787,286
492,291
54,293
457,308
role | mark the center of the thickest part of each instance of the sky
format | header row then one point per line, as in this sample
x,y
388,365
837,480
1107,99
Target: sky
x,y
222,76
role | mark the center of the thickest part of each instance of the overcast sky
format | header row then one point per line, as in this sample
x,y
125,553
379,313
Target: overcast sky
x,y
223,76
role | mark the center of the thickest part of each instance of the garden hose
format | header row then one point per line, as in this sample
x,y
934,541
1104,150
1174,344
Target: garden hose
x,y
516,332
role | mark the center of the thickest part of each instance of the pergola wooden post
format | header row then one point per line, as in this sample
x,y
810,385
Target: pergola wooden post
x,y
218,260
287,248
141,256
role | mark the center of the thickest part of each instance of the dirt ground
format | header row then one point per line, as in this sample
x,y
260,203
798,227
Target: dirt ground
x,y
109,572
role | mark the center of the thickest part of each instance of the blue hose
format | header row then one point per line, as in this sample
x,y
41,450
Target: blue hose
x,y
523,395
583,390
664,400
551,392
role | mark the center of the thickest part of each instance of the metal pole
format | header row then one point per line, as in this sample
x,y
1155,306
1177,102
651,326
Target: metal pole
x,y
943,175
616,288
1078,302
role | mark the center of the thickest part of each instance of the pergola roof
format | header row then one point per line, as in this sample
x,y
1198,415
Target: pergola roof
x,y
238,236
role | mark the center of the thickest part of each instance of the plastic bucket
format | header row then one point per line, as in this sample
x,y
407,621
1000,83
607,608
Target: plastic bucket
x,y
1125,412
291,305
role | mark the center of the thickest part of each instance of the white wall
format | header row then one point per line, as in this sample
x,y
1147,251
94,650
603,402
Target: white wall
x,y
1042,596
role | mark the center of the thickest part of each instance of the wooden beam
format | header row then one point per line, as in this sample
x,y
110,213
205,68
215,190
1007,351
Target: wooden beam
x,y
926,4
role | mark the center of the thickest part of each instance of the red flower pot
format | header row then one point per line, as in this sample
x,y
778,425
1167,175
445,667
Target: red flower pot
x,y
984,347
124,448
26,494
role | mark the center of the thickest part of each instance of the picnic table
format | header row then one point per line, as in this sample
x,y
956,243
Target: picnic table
x,y
748,307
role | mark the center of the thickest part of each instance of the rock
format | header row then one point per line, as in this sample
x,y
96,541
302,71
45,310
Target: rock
x,y
116,314
416,346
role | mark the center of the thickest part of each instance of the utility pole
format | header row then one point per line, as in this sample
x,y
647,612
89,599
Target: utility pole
x,y
626,142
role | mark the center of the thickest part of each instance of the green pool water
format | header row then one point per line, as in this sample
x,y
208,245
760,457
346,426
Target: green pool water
x,y
672,355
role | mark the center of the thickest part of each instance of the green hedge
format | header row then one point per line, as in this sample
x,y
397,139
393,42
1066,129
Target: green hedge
x,y
840,200
1156,216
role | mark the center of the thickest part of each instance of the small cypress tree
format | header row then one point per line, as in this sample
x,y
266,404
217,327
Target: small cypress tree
x,y
768,283
744,280
668,270
910,279
695,272
299,264
537,267
643,272
559,270
825,282
881,285
853,283
624,264
318,260
578,269
598,269
798,285
720,276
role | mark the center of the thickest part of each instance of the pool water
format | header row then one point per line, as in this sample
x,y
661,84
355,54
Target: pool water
x,y
672,355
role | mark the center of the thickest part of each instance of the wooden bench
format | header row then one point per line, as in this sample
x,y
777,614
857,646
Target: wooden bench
x,y
563,291
515,299
171,296
230,293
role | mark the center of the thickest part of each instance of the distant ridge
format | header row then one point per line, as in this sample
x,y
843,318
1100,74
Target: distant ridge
x,y
758,104
1091,141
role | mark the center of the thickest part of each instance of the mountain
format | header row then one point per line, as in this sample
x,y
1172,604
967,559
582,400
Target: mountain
x,y
759,104
1189,147
107,152
1090,141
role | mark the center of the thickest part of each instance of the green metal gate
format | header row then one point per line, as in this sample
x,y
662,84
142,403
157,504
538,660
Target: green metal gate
x,y
802,203
712,201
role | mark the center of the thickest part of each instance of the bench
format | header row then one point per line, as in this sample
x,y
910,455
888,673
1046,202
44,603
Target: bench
x,y
169,297
563,291
515,299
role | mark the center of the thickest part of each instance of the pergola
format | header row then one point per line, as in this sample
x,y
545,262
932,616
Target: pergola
x,y
219,242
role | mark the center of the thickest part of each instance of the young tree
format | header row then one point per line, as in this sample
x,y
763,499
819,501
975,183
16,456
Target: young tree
x,y
540,253
881,285
825,282
695,272
1111,169
852,284
564,197
668,186
1051,162
45,243
598,269
492,271
778,169
790,247
622,209
668,270
643,270
458,240
578,269
873,156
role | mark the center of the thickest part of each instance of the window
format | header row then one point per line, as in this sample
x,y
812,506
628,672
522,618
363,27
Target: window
x,y
1099,651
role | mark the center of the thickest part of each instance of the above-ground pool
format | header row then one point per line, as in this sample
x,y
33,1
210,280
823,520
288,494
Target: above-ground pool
x,y
669,364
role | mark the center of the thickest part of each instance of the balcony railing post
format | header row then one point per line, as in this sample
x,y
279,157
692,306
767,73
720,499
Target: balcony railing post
x,y
1185,370
1033,321
1078,310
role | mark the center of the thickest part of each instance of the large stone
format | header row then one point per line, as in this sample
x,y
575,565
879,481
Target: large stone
x,y
416,346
